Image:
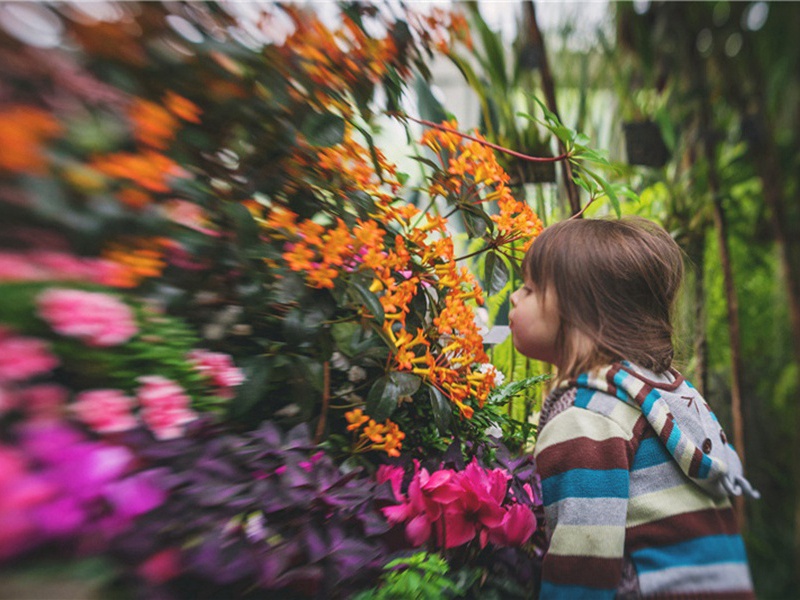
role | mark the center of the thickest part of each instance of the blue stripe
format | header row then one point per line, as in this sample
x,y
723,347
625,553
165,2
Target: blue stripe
x,y
649,401
582,397
561,592
674,436
585,483
709,550
651,452
619,383
705,467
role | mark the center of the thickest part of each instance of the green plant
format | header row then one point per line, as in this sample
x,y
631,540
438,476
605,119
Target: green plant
x,y
421,576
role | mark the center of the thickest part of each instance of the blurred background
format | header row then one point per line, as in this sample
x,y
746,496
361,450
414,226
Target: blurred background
x,y
694,105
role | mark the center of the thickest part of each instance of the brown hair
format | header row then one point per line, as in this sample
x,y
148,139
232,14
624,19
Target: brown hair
x,y
615,282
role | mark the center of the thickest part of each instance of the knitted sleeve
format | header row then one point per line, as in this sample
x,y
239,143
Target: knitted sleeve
x,y
583,461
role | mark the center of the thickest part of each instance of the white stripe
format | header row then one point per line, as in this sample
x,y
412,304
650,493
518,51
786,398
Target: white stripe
x,y
578,422
602,541
720,577
669,502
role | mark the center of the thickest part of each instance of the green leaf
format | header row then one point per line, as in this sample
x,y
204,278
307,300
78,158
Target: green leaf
x,y
442,410
407,383
382,399
257,372
430,108
496,273
370,300
323,130
344,334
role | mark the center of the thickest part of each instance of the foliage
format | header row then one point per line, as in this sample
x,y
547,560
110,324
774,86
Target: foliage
x,y
421,576
210,272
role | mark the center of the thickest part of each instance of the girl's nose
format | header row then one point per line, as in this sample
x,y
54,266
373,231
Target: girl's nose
x,y
514,298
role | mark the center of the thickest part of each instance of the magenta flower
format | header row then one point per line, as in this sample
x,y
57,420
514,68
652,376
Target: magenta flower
x,y
165,406
220,369
517,527
457,507
105,411
96,318
23,357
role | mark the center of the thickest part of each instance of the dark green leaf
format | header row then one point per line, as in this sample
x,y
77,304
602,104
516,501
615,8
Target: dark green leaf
x,y
442,410
496,272
370,301
257,372
429,107
382,399
407,383
323,129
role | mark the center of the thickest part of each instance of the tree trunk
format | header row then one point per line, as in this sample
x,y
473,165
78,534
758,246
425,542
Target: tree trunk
x,y
549,89
697,250
721,228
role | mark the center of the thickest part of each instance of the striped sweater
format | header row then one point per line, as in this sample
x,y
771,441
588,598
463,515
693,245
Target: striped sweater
x,y
636,475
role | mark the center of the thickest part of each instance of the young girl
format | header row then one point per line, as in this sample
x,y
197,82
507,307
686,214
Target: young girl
x,y
636,471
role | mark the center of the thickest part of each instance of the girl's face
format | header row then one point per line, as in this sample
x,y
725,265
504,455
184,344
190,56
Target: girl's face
x,y
534,322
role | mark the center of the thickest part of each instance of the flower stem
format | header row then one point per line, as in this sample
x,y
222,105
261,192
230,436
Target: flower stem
x,y
542,159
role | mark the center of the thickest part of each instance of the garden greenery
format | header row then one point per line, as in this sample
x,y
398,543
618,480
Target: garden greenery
x,y
224,305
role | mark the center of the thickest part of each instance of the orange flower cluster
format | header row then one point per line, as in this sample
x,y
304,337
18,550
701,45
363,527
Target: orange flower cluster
x,y
155,125
442,28
139,257
154,128
148,169
474,176
374,436
334,61
23,132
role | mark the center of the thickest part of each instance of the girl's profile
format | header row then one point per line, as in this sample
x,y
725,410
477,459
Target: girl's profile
x,y
636,471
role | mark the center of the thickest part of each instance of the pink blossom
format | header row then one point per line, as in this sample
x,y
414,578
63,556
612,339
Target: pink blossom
x,y
44,401
96,318
161,567
105,411
41,265
23,357
165,406
517,527
457,506
219,368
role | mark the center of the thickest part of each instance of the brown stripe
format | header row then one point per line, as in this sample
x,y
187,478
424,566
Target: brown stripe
x,y
641,431
589,571
582,453
668,427
697,460
733,595
683,527
669,387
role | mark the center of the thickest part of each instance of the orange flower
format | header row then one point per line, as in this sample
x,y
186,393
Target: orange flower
x,y
134,198
152,125
139,257
182,108
23,133
356,418
148,169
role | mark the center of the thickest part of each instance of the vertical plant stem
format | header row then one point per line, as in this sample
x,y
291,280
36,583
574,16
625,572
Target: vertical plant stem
x,y
326,400
721,227
549,88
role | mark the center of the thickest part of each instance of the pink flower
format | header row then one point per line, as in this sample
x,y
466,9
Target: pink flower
x,y
43,401
161,567
96,318
165,406
105,411
23,357
517,527
220,369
